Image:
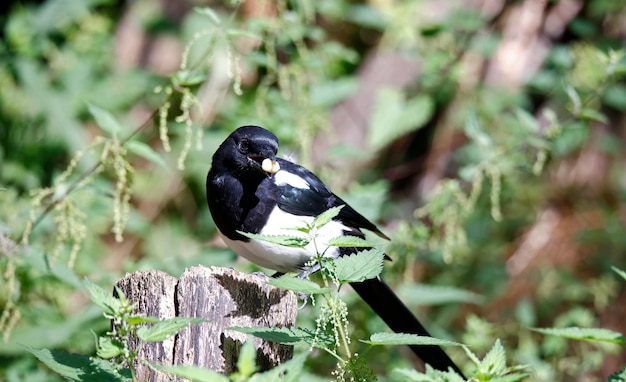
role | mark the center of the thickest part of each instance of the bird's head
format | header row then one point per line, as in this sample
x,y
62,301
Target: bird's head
x,y
249,150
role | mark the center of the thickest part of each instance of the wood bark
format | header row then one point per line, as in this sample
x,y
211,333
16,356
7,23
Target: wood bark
x,y
225,298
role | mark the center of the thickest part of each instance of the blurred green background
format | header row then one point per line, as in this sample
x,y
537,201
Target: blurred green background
x,y
487,138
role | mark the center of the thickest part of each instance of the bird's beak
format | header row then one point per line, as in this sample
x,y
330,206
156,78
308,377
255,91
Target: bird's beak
x,y
270,166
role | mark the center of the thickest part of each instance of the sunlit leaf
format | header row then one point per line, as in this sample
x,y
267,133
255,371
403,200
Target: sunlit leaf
x,y
167,328
143,150
192,372
585,334
360,266
407,339
105,120
297,285
286,240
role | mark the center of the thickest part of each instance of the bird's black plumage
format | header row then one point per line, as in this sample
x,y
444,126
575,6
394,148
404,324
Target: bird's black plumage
x,y
250,190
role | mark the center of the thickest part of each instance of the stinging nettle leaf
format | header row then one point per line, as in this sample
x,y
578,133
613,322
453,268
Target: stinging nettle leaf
x,y
297,285
326,216
145,151
293,336
76,367
585,334
164,329
619,272
360,266
349,241
104,119
407,339
394,116
287,241
102,298
191,372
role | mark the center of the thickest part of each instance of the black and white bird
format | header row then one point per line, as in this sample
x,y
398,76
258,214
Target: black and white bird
x,y
250,190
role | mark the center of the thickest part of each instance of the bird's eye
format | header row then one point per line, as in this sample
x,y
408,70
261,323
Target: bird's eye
x,y
244,145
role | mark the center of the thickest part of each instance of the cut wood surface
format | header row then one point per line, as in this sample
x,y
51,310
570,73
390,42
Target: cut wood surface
x,y
223,297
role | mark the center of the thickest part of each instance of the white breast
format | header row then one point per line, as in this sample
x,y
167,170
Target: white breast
x,y
287,259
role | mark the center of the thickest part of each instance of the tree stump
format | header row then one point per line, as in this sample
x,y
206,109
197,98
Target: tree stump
x,y
225,298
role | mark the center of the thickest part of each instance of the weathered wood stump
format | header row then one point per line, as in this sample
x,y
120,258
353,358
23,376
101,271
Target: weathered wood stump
x,y
222,296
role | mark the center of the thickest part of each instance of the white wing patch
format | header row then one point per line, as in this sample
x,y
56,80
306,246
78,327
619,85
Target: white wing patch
x,y
283,178
287,259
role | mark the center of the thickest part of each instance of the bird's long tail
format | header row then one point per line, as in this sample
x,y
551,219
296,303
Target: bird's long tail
x,y
377,294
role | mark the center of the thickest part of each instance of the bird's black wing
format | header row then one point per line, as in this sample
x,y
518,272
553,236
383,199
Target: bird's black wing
x,y
316,199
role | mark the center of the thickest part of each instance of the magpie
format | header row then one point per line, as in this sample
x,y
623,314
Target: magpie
x,y
250,190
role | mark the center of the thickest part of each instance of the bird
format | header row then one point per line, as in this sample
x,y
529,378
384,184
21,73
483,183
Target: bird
x,y
250,190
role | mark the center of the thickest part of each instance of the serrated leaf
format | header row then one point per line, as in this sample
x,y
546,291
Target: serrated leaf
x,y
287,241
192,373
187,78
297,285
593,115
104,119
422,294
474,130
289,371
619,272
407,339
349,241
145,151
585,334
102,298
294,336
326,216
619,376
495,360
360,266
164,329
139,319
393,116
76,367
109,348
206,11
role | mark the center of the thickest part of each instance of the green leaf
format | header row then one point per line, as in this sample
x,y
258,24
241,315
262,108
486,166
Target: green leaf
x,y
360,266
619,376
593,115
234,32
474,130
527,120
207,11
145,151
287,241
102,298
164,329
585,334
393,117
246,363
109,348
407,339
192,373
289,371
349,241
422,294
297,285
326,216
104,119
75,367
188,78
495,360
294,336
619,272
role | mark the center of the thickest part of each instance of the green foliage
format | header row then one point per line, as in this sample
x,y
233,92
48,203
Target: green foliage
x,y
103,161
